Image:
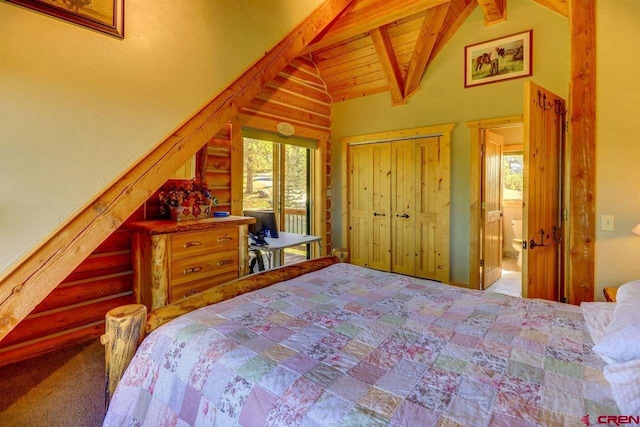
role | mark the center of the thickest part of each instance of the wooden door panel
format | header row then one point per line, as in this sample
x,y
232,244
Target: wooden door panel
x,y
542,184
359,204
492,209
403,165
380,247
429,246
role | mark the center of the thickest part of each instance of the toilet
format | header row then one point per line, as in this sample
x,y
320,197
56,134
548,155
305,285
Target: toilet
x,y
516,225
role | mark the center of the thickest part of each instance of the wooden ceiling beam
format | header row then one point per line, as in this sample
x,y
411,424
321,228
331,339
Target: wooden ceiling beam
x,y
387,59
558,6
27,283
453,28
424,47
364,15
495,11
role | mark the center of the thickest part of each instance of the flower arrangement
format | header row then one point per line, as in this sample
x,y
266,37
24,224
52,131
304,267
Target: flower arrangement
x,y
186,199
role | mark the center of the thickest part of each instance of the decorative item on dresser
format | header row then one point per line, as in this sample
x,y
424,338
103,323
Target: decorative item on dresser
x,y
186,199
172,260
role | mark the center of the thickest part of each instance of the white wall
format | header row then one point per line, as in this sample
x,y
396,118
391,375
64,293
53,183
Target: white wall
x,y
617,165
77,108
443,99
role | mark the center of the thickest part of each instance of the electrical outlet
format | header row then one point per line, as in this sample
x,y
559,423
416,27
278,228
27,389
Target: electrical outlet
x,y
607,223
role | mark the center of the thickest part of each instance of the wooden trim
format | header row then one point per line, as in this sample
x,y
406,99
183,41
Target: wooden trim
x,y
237,166
319,194
26,283
558,6
475,186
398,134
582,152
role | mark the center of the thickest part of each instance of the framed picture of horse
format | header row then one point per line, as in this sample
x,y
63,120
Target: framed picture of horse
x,y
106,16
504,58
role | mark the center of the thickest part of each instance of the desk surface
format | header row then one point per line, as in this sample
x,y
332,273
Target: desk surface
x,y
286,240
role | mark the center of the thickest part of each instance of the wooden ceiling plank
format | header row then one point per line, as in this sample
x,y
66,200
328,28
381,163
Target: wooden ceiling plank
x,y
356,80
424,47
495,11
558,6
387,58
369,51
365,15
360,91
365,61
28,282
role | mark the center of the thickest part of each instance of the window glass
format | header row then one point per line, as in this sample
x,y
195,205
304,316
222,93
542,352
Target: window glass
x,y
512,177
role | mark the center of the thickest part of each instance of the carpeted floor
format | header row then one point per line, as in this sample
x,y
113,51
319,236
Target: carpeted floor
x,y
63,388
511,281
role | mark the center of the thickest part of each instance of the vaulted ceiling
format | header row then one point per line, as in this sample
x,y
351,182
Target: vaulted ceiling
x,y
386,45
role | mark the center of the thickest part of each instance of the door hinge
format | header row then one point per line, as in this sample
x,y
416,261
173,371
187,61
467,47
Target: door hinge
x,y
565,214
481,263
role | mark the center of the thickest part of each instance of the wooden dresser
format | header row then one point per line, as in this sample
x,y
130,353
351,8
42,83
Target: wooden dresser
x,y
172,260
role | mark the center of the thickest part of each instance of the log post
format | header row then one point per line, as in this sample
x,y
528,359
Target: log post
x,y
124,331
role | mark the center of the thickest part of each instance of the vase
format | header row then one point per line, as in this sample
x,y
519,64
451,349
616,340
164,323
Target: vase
x,y
185,213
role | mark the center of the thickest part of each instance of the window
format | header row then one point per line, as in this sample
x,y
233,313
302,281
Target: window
x,y
512,173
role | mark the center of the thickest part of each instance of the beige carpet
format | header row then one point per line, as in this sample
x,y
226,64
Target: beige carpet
x,y
511,281
63,388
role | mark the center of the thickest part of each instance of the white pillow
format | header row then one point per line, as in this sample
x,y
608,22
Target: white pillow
x,y
625,385
597,315
621,340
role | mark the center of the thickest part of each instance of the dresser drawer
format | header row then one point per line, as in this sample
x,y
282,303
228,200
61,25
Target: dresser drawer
x,y
199,267
193,243
187,289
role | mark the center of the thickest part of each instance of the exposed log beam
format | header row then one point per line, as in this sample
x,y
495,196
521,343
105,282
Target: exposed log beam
x,y
389,63
424,46
364,15
31,280
558,6
582,149
453,28
495,11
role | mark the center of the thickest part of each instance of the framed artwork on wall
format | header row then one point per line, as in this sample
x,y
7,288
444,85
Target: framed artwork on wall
x,y
106,16
504,58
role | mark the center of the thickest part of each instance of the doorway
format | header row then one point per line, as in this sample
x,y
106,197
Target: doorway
x,y
506,181
277,176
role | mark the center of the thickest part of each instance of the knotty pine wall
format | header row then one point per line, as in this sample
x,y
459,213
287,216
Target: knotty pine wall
x,y
75,310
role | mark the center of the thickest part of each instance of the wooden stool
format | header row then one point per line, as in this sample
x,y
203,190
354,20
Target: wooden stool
x,y
341,253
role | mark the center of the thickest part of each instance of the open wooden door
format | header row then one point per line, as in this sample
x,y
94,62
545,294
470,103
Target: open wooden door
x,y
491,261
542,222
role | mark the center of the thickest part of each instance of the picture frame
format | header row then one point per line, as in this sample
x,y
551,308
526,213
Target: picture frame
x,y
500,59
106,16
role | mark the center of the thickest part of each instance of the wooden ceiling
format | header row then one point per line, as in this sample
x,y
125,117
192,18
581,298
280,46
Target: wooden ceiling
x,y
386,45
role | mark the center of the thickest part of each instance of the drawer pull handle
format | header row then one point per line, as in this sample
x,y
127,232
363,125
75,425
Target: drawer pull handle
x,y
191,292
192,243
225,262
192,270
224,239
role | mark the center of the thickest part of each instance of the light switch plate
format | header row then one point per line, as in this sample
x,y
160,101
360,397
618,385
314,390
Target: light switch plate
x,y
607,223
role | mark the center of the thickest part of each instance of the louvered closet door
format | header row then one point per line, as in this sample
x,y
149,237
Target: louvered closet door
x,y
360,173
380,247
403,183
428,234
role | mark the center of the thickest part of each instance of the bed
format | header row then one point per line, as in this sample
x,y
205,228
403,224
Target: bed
x,y
346,345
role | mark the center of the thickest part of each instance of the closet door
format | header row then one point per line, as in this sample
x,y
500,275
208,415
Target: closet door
x,y
403,183
360,220
380,247
429,263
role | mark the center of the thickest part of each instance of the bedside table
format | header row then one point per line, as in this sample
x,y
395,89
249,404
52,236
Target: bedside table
x,y
610,294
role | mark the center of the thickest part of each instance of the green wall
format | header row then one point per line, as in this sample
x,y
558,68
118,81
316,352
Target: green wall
x,y
443,99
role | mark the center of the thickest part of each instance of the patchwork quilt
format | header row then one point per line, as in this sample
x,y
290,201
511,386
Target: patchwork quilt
x,y
349,346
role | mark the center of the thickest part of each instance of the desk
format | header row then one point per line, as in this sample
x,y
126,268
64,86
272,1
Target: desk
x,y
285,240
